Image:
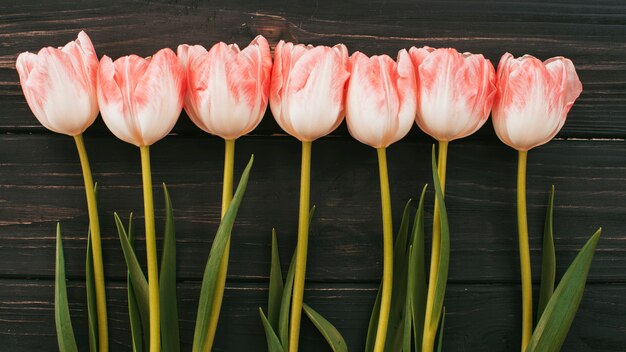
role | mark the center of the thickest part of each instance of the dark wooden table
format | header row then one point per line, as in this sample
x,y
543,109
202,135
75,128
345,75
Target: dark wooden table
x,y
40,179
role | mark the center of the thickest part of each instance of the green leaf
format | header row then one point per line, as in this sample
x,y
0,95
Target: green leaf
x,y
137,277
330,333
444,254
276,285
560,311
548,262
133,306
92,314
207,291
285,305
65,332
418,267
395,329
440,331
371,328
273,343
410,288
90,287
170,340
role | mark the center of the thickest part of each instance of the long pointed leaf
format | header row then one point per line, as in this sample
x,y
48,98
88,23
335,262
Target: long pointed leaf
x,y
560,311
548,261
330,333
417,264
410,287
395,327
444,254
440,332
207,291
371,328
92,314
170,340
285,305
136,334
90,287
273,343
276,285
137,277
63,322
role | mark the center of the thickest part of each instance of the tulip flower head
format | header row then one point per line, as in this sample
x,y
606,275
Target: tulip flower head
x,y
381,98
60,85
227,88
455,92
308,89
533,99
141,99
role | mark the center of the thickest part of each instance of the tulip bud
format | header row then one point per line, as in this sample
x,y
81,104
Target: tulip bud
x,y
60,85
381,98
533,99
141,99
455,92
308,89
227,88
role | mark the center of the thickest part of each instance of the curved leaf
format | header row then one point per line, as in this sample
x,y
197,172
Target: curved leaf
x,y
207,291
273,344
63,322
276,285
417,270
170,340
548,261
330,333
134,316
560,311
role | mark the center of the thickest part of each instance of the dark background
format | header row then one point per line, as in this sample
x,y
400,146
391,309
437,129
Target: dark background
x,y
41,183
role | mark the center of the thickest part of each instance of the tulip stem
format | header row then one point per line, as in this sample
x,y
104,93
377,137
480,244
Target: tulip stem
x,y
96,245
227,196
151,251
430,327
301,248
524,251
385,302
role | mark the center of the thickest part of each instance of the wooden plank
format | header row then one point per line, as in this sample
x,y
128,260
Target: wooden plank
x,y
40,183
27,316
591,34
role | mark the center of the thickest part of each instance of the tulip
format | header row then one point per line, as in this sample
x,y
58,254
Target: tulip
x,y
60,85
533,100
531,106
380,109
307,90
60,88
227,95
307,101
455,95
140,101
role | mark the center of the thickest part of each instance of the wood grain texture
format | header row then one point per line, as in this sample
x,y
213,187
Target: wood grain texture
x,y
40,181
26,306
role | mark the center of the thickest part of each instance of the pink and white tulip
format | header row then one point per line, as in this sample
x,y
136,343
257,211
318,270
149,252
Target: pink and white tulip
x,y
533,99
141,99
381,98
60,85
308,89
455,92
227,88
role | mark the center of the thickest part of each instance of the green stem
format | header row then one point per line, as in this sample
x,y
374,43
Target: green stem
x,y
151,251
524,251
96,246
385,302
301,248
220,283
430,326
